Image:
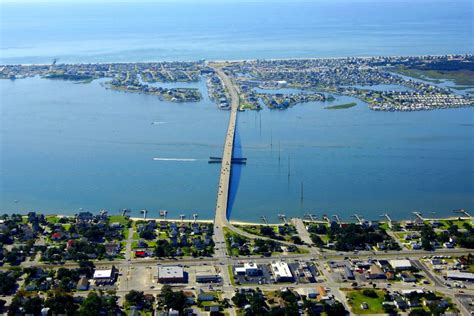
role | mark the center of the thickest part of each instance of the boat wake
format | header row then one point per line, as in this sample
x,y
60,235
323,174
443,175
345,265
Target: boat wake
x,y
158,123
174,159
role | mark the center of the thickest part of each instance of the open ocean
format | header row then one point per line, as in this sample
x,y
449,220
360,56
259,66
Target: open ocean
x,y
66,146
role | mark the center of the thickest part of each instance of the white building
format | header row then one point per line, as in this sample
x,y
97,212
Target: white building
x,y
400,265
105,276
170,274
456,275
281,271
249,268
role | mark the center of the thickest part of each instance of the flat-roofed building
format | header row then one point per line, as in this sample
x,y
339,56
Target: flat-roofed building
x,y
208,278
170,274
457,275
105,276
400,265
375,272
249,268
281,271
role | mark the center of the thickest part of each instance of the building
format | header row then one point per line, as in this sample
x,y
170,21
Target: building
x,y
205,297
457,275
82,284
281,271
311,293
375,272
105,276
400,265
171,274
208,278
348,273
249,268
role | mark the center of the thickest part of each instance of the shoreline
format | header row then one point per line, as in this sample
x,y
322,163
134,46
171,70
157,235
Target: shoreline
x,y
246,223
238,60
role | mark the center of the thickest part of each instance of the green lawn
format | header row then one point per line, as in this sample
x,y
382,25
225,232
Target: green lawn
x,y
356,298
118,219
458,223
231,275
52,219
384,226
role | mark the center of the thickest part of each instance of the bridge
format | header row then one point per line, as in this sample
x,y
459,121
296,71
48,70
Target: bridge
x,y
220,220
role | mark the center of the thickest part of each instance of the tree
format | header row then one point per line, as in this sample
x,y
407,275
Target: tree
x,y
370,293
174,300
240,300
7,283
296,240
61,303
97,303
22,304
267,231
135,298
335,309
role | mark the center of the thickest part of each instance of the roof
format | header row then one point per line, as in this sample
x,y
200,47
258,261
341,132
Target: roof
x,y
170,272
400,264
460,275
281,270
250,265
374,269
101,274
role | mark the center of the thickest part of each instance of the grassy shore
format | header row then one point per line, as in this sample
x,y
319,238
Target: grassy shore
x,y
460,77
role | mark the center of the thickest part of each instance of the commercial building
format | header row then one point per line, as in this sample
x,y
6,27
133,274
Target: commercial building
x,y
457,275
208,278
281,271
400,265
171,274
375,272
249,268
105,276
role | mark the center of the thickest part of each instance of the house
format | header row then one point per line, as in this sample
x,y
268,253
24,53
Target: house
x,y
311,293
205,297
140,254
407,277
112,248
400,304
82,284
84,217
57,236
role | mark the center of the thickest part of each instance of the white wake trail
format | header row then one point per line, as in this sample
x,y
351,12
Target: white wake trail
x,y
174,159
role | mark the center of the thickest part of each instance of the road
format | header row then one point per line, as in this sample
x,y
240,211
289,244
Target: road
x,y
302,231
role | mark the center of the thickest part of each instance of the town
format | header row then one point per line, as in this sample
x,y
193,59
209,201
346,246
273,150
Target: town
x,y
114,264
383,83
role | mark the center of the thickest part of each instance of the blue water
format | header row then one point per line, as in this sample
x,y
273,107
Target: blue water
x,y
66,146
230,29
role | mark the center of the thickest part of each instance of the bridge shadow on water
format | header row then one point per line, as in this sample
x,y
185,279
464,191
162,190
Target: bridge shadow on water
x,y
236,170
